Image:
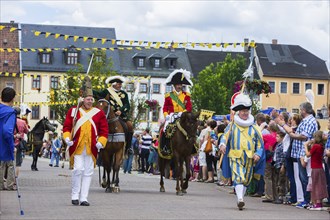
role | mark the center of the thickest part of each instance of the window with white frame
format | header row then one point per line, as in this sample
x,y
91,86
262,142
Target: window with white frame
x,y
168,88
130,87
141,62
35,112
284,87
308,86
157,63
155,115
156,88
272,86
143,87
52,114
54,82
320,89
45,58
36,82
296,88
143,114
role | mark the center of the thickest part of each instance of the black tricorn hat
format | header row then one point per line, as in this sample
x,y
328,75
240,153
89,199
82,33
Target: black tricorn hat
x,y
179,77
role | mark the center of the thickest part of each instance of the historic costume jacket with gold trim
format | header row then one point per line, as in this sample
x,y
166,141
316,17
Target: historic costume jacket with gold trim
x,y
173,105
86,134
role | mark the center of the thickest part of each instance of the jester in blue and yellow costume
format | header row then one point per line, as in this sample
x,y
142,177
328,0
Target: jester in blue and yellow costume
x,y
243,148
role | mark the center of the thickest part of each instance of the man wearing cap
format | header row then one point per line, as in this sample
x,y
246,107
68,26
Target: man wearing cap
x,y
242,146
118,98
176,101
85,132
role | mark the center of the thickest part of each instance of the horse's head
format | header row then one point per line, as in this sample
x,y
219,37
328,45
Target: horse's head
x,y
47,125
189,121
104,105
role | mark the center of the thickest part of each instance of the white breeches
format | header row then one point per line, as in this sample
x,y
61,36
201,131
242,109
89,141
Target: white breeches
x,y
83,169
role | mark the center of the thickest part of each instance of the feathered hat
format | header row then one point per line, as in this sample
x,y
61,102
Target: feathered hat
x,y
115,79
179,76
241,101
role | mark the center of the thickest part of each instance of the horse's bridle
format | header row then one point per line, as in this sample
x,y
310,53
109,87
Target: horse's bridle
x,y
108,111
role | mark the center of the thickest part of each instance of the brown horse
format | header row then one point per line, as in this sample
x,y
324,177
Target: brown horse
x,y
182,143
112,154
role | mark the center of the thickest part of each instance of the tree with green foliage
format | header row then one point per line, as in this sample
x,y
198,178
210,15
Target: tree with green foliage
x,y
213,87
137,107
68,90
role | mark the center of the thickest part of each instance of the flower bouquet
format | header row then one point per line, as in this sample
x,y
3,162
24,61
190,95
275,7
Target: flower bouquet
x,y
152,103
255,86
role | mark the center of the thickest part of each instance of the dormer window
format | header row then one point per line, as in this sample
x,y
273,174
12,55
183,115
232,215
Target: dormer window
x,y
71,56
171,60
139,60
155,60
46,57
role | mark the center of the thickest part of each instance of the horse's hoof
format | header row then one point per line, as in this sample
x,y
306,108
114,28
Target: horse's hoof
x,y
108,189
162,189
179,193
184,191
104,185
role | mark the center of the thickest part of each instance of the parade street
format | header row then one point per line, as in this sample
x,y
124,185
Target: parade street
x,y
46,194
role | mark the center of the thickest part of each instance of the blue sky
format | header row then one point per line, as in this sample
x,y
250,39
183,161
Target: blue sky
x,y
304,23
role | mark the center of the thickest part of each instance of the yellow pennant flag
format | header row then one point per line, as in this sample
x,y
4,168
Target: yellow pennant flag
x,y
225,45
40,50
37,33
57,35
2,50
66,37
47,34
138,48
25,50
94,40
242,44
14,74
75,38
129,48
21,75
112,49
209,45
113,41
157,45
175,45
6,74
140,42
193,45
17,50
217,44
9,50
85,39
103,40
149,43
103,48
131,42
234,45
12,29
120,48
48,50
2,27
33,50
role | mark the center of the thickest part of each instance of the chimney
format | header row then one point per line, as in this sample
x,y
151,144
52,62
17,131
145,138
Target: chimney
x,y
274,41
246,44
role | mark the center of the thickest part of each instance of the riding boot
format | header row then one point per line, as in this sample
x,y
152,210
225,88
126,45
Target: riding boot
x,y
86,182
129,136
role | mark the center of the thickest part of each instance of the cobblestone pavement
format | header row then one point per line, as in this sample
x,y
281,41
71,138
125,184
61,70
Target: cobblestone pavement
x,y
46,195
